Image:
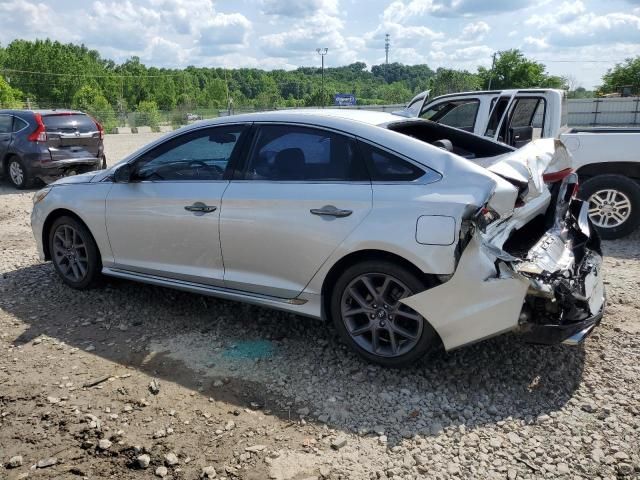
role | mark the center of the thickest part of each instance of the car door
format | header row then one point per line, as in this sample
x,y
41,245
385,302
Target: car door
x,y
303,190
164,221
6,129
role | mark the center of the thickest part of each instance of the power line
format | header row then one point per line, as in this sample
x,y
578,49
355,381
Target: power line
x,y
12,70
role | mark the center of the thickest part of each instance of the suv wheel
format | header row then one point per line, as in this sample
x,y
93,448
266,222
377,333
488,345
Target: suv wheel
x,y
74,253
366,311
17,174
614,204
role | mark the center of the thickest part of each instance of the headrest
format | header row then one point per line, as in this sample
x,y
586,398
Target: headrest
x,y
444,144
289,164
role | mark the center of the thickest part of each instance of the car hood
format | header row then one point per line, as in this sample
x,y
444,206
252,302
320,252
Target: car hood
x,y
81,178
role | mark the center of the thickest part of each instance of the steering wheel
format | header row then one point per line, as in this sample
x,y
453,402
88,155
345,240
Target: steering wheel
x,y
202,164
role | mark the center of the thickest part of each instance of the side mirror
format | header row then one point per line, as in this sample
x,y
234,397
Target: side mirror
x,y
123,174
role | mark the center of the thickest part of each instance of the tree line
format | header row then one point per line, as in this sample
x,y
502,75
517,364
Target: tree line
x,y
48,73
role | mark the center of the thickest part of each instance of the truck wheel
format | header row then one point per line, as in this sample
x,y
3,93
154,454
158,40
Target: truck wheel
x,y
614,204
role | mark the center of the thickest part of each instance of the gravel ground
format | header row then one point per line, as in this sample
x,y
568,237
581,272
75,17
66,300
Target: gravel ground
x,y
134,381
117,147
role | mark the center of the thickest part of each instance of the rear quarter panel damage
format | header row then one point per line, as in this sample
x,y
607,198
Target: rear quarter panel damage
x,y
475,303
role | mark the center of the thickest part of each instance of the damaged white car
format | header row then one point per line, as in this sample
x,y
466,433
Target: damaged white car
x,y
407,234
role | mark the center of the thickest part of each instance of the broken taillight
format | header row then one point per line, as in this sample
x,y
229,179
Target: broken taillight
x,y
485,217
554,177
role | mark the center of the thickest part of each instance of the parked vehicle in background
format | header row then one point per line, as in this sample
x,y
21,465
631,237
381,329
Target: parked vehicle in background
x,y
48,144
350,215
607,160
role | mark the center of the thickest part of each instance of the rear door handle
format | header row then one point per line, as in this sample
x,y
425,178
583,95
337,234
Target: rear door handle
x,y
200,207
331,211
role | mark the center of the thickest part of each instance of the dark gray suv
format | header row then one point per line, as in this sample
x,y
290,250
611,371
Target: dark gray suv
x,y
48,144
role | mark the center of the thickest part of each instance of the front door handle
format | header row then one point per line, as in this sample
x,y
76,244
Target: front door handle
x,y
331,211
200,207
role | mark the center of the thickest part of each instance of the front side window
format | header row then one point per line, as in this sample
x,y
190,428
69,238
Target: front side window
x,y
456,113
386,167
6,123
200,155
292,153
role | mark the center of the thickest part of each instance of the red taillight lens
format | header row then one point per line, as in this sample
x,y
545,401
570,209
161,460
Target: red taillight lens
x,y
99,127
557,176
40,133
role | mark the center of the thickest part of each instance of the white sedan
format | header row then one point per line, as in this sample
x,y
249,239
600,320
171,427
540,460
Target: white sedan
x,y
408,235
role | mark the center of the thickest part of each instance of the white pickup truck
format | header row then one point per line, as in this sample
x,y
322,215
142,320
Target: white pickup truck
x,y
607,160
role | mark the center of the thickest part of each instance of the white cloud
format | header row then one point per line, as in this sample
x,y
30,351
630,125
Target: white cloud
x,y
299,8
223,32
476,30
400,10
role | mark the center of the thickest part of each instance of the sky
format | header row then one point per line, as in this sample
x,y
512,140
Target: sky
x,y
579,39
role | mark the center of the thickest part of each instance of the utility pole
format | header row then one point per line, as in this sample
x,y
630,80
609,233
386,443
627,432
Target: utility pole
x,y
493,64
322,52
387,43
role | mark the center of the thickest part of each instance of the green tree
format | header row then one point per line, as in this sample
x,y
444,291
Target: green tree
x,y
625,74
447,80
513,70
9,97
147,114
89,99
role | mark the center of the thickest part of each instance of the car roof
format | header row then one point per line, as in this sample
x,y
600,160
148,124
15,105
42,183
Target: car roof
x,y
309,115
45,111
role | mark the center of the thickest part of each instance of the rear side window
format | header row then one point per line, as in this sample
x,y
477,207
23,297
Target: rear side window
x,y
386,167
69,123
457,113
291,153
19,124
6,123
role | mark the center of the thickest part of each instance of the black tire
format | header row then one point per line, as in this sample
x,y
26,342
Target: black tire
x,y
627,187
427,339
92,276
19,181
104,163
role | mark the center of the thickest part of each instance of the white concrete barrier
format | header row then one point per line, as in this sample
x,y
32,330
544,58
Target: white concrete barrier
x,y
122,130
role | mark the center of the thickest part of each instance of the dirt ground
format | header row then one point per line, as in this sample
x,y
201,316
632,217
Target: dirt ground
x,y
135,381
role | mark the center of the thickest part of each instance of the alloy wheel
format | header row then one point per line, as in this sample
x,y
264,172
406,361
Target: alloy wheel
x,y
374,317
70,253
16,173
609,208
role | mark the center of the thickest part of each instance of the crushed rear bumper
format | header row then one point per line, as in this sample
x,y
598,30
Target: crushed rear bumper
x,y
52,170
544,283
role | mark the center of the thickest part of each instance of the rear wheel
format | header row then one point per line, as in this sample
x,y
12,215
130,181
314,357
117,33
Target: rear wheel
x,y
74,253
18,174
614,204
366,310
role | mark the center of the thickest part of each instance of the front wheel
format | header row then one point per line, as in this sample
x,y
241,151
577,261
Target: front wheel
x,y
74,253
368,315
614,204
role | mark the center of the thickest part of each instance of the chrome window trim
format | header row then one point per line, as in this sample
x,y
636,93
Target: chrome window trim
x,y
178,133
26,124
